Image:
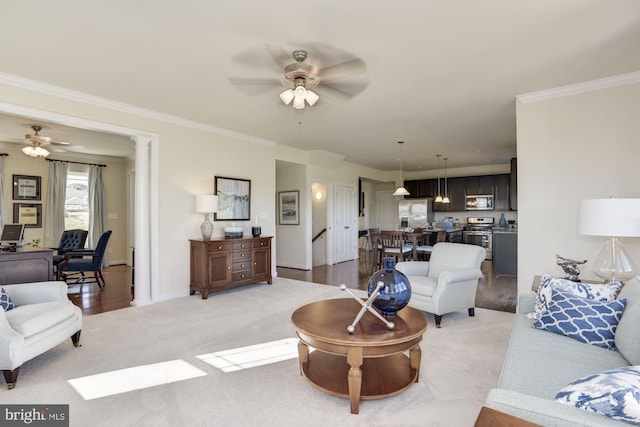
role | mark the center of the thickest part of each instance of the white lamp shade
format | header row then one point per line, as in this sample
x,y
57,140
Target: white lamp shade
x,y
401,191
609,217
206,203
312,97
287,96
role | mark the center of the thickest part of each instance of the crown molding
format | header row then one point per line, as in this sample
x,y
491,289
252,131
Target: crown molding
x,y
574,89
44,88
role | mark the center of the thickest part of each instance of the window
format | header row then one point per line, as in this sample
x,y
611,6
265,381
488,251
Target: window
x,y
76,207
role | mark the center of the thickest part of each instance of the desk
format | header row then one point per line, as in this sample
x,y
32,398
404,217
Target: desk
x,y
26,265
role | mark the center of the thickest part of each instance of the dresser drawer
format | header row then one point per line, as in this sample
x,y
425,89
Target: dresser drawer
x,y
238,246
261,243
241,255
219,247
241,266
241,275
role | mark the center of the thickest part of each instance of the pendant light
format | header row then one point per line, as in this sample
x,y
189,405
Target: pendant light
x,y
445,199
401,191
439,196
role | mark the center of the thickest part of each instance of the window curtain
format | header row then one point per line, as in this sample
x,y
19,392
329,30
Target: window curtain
x,y
3,197
96,205
56,198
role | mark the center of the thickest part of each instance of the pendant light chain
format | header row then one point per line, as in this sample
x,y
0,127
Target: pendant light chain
x,y
439,195
446,190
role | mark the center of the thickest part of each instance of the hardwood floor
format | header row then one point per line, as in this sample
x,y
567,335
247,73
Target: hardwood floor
x,y
497,293
115,295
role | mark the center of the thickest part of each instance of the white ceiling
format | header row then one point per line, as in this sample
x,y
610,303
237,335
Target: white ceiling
x,y
441,75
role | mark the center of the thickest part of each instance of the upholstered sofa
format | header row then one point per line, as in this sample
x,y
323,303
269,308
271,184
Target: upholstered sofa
x,y
539,363
42,318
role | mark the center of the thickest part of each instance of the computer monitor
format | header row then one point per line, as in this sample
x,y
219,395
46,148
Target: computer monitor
x,y
12,234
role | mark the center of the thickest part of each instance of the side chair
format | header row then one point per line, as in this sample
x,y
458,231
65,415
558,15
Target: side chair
x,y
77,262
70,240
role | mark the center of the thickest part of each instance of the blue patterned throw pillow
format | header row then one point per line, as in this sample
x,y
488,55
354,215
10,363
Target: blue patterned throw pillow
x,y
614,393
598,292
5,300
584,319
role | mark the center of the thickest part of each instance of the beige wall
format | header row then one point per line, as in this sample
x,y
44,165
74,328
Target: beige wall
x,y
189,156
573,148
114,177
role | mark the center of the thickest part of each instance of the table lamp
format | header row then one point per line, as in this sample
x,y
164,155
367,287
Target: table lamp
x,y
612,218
207,204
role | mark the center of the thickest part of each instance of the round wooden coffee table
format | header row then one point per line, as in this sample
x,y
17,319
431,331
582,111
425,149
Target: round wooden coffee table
x,y
368,364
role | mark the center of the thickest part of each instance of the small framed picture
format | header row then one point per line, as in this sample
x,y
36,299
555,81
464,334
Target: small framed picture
x,y
289,207
26,187
28,214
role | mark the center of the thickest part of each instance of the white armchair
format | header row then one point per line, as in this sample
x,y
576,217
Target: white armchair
x,y
448,281
43,318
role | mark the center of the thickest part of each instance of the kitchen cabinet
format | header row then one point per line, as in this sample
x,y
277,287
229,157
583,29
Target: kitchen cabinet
x,y
513,185
479,185
505,253
456,192
419,188
222,264
501,192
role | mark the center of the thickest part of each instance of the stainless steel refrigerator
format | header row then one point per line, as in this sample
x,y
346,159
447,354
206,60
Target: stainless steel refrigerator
x,y
415,213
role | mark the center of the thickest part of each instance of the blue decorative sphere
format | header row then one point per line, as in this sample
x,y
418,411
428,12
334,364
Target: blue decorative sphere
x,y
396,291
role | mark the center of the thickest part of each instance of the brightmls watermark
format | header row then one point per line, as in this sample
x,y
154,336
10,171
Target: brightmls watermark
x,y
34,415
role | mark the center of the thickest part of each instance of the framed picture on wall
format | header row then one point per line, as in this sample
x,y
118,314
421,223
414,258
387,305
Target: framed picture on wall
x,y
234,198
288,207
26,187
28,214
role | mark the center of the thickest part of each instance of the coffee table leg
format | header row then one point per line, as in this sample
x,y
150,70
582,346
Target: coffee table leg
x,y
415,353
303,355
354,359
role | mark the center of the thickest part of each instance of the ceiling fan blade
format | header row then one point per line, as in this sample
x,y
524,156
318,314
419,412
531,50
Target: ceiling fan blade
x,y
279,55
345,69
270,81
324,89
60,143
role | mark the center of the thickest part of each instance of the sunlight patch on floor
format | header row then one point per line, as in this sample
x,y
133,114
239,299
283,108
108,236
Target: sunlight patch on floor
x,y
136,378
253,355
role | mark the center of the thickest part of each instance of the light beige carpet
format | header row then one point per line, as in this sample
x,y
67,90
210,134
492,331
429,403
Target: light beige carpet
x,y
460,363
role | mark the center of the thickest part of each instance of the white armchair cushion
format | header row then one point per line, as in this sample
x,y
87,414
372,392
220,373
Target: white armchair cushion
x,y
31,319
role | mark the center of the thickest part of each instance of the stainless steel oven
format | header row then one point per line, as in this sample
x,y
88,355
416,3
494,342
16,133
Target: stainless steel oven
x,y
479,231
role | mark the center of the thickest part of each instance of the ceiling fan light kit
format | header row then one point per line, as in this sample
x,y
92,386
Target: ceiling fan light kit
x,y
37,142
36,151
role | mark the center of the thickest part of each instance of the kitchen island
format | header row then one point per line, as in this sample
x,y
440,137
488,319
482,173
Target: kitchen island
x,y
505,252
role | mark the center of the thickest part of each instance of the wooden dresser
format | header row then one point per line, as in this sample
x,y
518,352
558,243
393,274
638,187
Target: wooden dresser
x,y
222,264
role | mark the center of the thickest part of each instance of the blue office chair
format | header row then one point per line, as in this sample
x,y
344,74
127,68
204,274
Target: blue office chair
x,y
70,239
77,262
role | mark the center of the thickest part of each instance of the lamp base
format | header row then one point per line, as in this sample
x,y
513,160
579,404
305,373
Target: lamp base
x,y
613,263
206,228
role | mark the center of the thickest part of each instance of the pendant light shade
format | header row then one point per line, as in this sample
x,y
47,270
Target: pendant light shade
x,y
439,195
401,191
445,199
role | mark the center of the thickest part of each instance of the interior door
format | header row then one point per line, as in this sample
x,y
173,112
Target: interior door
x,y
345,228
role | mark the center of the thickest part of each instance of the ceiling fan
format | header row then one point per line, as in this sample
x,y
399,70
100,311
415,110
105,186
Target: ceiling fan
x,y
299,77
37,143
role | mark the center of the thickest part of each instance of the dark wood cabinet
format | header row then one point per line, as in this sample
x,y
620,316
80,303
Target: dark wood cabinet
x,y
222,264
456,192
479,185
513,185
501,192
419,188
